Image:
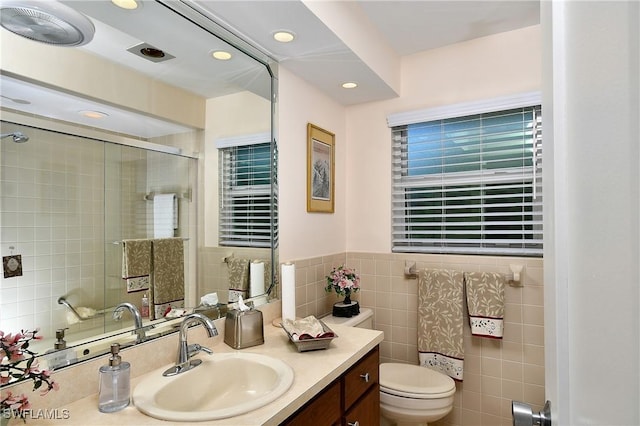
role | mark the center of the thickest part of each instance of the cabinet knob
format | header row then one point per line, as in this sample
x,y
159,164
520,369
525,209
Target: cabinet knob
x,y
365,377
356,423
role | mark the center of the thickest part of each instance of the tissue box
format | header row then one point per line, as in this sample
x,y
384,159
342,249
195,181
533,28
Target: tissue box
x,y
243,329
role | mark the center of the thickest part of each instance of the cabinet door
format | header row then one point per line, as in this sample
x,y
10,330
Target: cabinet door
x,y
365,412
360,377
323,410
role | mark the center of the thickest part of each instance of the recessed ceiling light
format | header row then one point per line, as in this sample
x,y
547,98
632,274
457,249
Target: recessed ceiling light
x,y
126,4
221,55
350,85
93,114
284,36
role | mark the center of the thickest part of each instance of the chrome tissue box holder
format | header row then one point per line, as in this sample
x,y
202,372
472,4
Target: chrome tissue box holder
x,y
243,329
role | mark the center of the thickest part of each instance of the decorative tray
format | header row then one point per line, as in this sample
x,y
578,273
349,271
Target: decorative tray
x,y
314,344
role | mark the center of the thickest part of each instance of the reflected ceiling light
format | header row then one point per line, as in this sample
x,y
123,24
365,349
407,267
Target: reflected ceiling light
x,y
126,4
221,55
93,114
350,85
284,36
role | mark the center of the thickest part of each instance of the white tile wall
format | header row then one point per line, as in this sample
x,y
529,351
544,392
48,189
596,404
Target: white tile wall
x,y
53,194
51,213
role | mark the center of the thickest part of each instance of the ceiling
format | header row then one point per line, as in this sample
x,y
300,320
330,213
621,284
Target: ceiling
x,y
399,27
332,45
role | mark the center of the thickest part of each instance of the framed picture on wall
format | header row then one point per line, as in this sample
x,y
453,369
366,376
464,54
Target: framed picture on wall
x,y
320,169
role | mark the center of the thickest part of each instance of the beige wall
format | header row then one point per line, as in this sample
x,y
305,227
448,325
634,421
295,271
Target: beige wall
x,y
484,68
358,233
307,234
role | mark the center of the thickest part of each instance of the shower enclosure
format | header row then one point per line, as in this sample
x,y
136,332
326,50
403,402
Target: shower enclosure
x,y
66,204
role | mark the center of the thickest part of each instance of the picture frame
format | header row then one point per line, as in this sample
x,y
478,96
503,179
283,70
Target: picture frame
x,y
320,170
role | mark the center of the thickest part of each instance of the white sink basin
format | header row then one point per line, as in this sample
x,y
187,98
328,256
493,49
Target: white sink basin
x,y
224,385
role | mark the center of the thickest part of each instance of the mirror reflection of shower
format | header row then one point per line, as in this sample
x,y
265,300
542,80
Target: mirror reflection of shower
x,y
18,137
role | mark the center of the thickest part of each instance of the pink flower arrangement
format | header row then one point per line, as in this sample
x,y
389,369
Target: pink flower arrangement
x,y
18,363
343,281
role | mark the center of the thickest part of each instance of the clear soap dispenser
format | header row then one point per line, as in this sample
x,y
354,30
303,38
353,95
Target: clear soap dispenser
x,y
115,391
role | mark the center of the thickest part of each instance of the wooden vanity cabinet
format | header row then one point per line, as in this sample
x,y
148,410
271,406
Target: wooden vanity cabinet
x,y
351,400
361,392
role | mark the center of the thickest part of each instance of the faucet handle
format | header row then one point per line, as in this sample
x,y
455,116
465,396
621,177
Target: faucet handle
x,y
195,348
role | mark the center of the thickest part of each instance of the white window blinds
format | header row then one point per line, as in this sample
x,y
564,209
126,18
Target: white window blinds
x,y
248,218
470,184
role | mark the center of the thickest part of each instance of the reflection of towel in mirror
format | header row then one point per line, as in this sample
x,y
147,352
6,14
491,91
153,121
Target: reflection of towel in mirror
x,y
238,274
440,321
306,328
165,215
167,289
84,312
136,264
485,303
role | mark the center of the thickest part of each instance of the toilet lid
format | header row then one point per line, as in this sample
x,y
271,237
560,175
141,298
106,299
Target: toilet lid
x,y
406,379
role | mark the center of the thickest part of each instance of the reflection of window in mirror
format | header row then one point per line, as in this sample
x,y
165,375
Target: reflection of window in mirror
x,y
245,188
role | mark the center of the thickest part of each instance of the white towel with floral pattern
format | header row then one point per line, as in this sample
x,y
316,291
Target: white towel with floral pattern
x,y
485,303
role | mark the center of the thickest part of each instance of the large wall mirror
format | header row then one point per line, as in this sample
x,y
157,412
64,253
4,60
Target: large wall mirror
x,y
158,132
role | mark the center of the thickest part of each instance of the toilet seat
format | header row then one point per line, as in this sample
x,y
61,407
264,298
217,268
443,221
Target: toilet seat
x,y
412,381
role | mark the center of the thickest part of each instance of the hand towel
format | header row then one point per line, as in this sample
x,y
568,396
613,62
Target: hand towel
x,y
440,321
238,274
485,303
165,215
136,264
167,288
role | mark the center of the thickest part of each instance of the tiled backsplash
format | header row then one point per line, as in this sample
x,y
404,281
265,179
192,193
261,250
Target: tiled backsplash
x,y
496,371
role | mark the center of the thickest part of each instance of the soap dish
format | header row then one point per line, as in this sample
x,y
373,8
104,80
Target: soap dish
x,y
313,344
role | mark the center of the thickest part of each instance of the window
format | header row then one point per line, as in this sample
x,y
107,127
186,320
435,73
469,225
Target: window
x,y
247,216
469,184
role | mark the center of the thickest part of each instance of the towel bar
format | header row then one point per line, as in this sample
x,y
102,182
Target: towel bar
x,y
63,301
184,195
120,242
514,278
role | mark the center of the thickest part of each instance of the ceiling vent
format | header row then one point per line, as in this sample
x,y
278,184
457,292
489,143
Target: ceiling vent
x,y
149,52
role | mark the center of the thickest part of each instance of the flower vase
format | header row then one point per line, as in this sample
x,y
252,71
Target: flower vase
x,y
346,308
347,297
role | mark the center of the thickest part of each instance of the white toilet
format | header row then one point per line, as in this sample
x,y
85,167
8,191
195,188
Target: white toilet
x,y
409,394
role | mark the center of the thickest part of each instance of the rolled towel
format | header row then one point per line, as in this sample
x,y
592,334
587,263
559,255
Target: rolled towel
x,y
84,312
306,328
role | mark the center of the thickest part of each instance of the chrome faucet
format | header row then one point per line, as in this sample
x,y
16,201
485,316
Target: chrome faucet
x,y
137,319
186,351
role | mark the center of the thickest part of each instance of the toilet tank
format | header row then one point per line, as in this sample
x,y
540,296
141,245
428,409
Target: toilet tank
x,y
363,320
